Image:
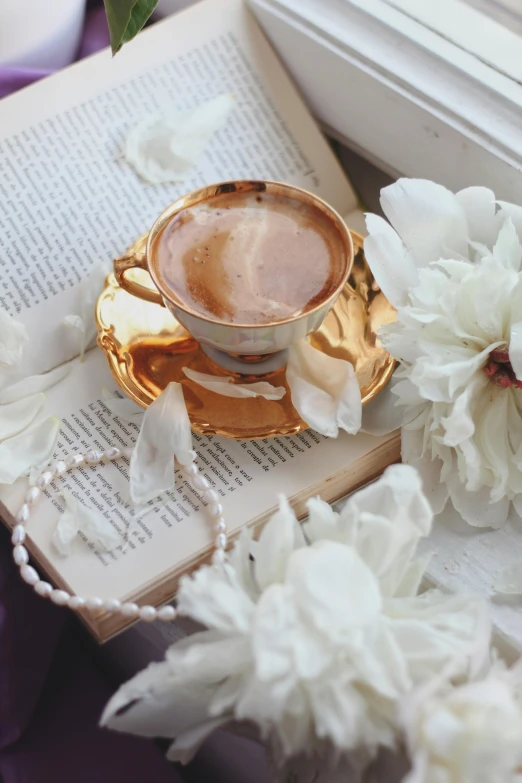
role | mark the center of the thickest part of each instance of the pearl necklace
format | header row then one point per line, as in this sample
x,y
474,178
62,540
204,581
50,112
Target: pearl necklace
x,y
93,604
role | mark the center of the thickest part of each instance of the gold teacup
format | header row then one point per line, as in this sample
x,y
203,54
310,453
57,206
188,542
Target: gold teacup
x,y
242,343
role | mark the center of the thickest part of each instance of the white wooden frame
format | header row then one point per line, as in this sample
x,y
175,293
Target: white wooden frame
x,y
401,92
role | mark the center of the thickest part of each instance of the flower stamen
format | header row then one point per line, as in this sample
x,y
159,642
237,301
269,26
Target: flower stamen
x,y
499,369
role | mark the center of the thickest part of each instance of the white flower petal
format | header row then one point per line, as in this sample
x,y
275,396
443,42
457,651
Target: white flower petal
x,y
507,249
509,581
13,337
476,507
429,469
78,516
34,384
215,598
222,384
165,433
82,324
334,588
32,447
479,206
515,348
427,217
384,414
17,416
512,211
391,265
164,147
281,535
324,390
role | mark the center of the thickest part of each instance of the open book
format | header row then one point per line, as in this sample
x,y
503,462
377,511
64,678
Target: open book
x,y
69,201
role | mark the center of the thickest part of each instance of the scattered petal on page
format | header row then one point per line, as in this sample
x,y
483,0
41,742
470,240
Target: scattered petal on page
x,y
82,323
165,433
163,148
20,453
325,391
17,416
122,407
223,385
34,384
13,337
77,516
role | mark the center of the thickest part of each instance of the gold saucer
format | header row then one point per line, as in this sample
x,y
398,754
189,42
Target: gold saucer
x,y
147,348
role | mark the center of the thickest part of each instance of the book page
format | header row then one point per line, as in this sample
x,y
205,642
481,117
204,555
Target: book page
x,y
69,199
247,475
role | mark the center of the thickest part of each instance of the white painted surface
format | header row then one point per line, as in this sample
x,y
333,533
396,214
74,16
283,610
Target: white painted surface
x,y
40,33
399,93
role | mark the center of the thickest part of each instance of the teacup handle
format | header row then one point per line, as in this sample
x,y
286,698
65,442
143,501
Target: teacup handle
x,y
136,258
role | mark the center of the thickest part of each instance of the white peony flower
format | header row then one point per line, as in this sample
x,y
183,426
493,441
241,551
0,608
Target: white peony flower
x,y
468,734
452,268
314,634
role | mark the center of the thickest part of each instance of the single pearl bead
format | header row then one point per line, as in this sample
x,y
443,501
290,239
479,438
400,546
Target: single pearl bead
x,y
93,603
43,589
112,605
130,610
45,479
127,451
74,460
60,467
216,510
76,602
29,575
221,525
93,456
33,493
60,597
148,614
23,513
200,482
190,470
112,453
166,613
20,555
221,541
18,535
211,496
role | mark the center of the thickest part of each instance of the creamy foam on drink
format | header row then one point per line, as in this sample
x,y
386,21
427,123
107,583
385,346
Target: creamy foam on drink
x,y
250,258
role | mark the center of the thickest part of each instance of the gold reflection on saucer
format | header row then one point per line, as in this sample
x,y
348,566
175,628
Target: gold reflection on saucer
x,y
147,348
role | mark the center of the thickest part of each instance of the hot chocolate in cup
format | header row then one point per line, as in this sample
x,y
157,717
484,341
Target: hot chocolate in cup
x,y
247,267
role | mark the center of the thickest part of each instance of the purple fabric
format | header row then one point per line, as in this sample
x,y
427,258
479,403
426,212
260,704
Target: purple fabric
x,y
30,629
64,742
95,37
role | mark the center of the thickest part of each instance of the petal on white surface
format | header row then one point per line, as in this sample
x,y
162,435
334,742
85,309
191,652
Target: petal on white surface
x,y
122,407
17,416
515,348
82,324
480,206
281,535
324,390
509,581
32,447
427,217
391,265
165,433
34,384
78,516
222,384
514,212
13,337
164,147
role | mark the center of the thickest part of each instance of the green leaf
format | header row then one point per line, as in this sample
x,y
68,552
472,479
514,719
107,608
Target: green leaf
x,y
126,18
